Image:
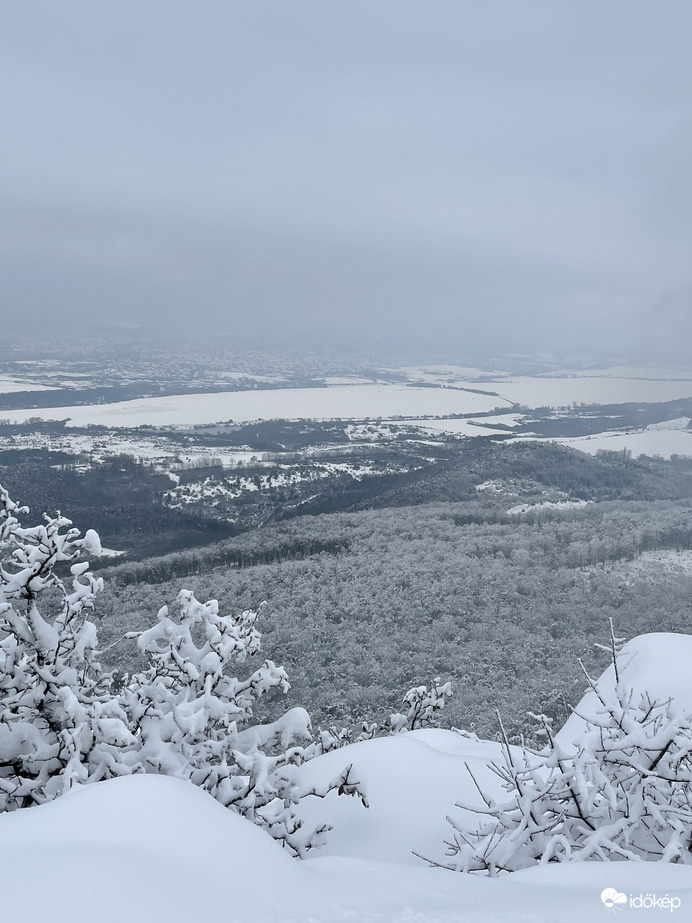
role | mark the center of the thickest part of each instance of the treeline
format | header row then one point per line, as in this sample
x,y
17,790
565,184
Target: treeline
x,y
202,560
126,500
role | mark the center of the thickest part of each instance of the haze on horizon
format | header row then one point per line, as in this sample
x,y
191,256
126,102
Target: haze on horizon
x,y
490,177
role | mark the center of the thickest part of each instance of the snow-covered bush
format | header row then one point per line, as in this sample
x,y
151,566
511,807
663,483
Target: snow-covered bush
x,y
187,715
622,790
193,718
59,722
423,707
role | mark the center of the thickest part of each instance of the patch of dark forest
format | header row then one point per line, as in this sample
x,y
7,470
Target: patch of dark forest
x,y
125,500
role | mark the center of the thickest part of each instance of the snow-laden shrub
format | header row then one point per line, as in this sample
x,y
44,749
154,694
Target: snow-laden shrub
x,y
59,722
422,706
187,715
423,709
192,719
621,791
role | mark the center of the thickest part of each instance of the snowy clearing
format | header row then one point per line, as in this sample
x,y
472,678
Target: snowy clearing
x,y
672,562
13,385
677,423
546,505
650,441
467,427
111,553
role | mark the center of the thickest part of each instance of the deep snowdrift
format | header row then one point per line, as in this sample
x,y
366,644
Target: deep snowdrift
x,y
412,782
657,663
149,848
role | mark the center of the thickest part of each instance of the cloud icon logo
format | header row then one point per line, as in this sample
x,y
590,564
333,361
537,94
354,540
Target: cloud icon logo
x,y
611,898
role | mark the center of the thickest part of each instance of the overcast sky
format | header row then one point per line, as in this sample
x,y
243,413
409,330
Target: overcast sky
x,y
475,176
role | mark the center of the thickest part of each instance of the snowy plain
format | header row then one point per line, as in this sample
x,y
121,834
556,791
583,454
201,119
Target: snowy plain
x,y
563,392
155,849
446,393
14,385
432,392
654,440
338,402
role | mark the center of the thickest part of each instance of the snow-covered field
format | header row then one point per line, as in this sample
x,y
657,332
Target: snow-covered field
x,y
663,373
340,401
654,440
13,385
563,392
616,385
426,407
466,427
376,400
160,850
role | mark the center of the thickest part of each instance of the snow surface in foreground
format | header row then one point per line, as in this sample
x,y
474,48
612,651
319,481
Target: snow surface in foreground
x,y
149,848
160,850
657,663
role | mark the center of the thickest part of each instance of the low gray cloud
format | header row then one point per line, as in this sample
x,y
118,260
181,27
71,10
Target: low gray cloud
x,y
474,177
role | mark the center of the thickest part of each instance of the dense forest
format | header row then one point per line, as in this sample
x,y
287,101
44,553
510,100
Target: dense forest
x,y
361,606
496,566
